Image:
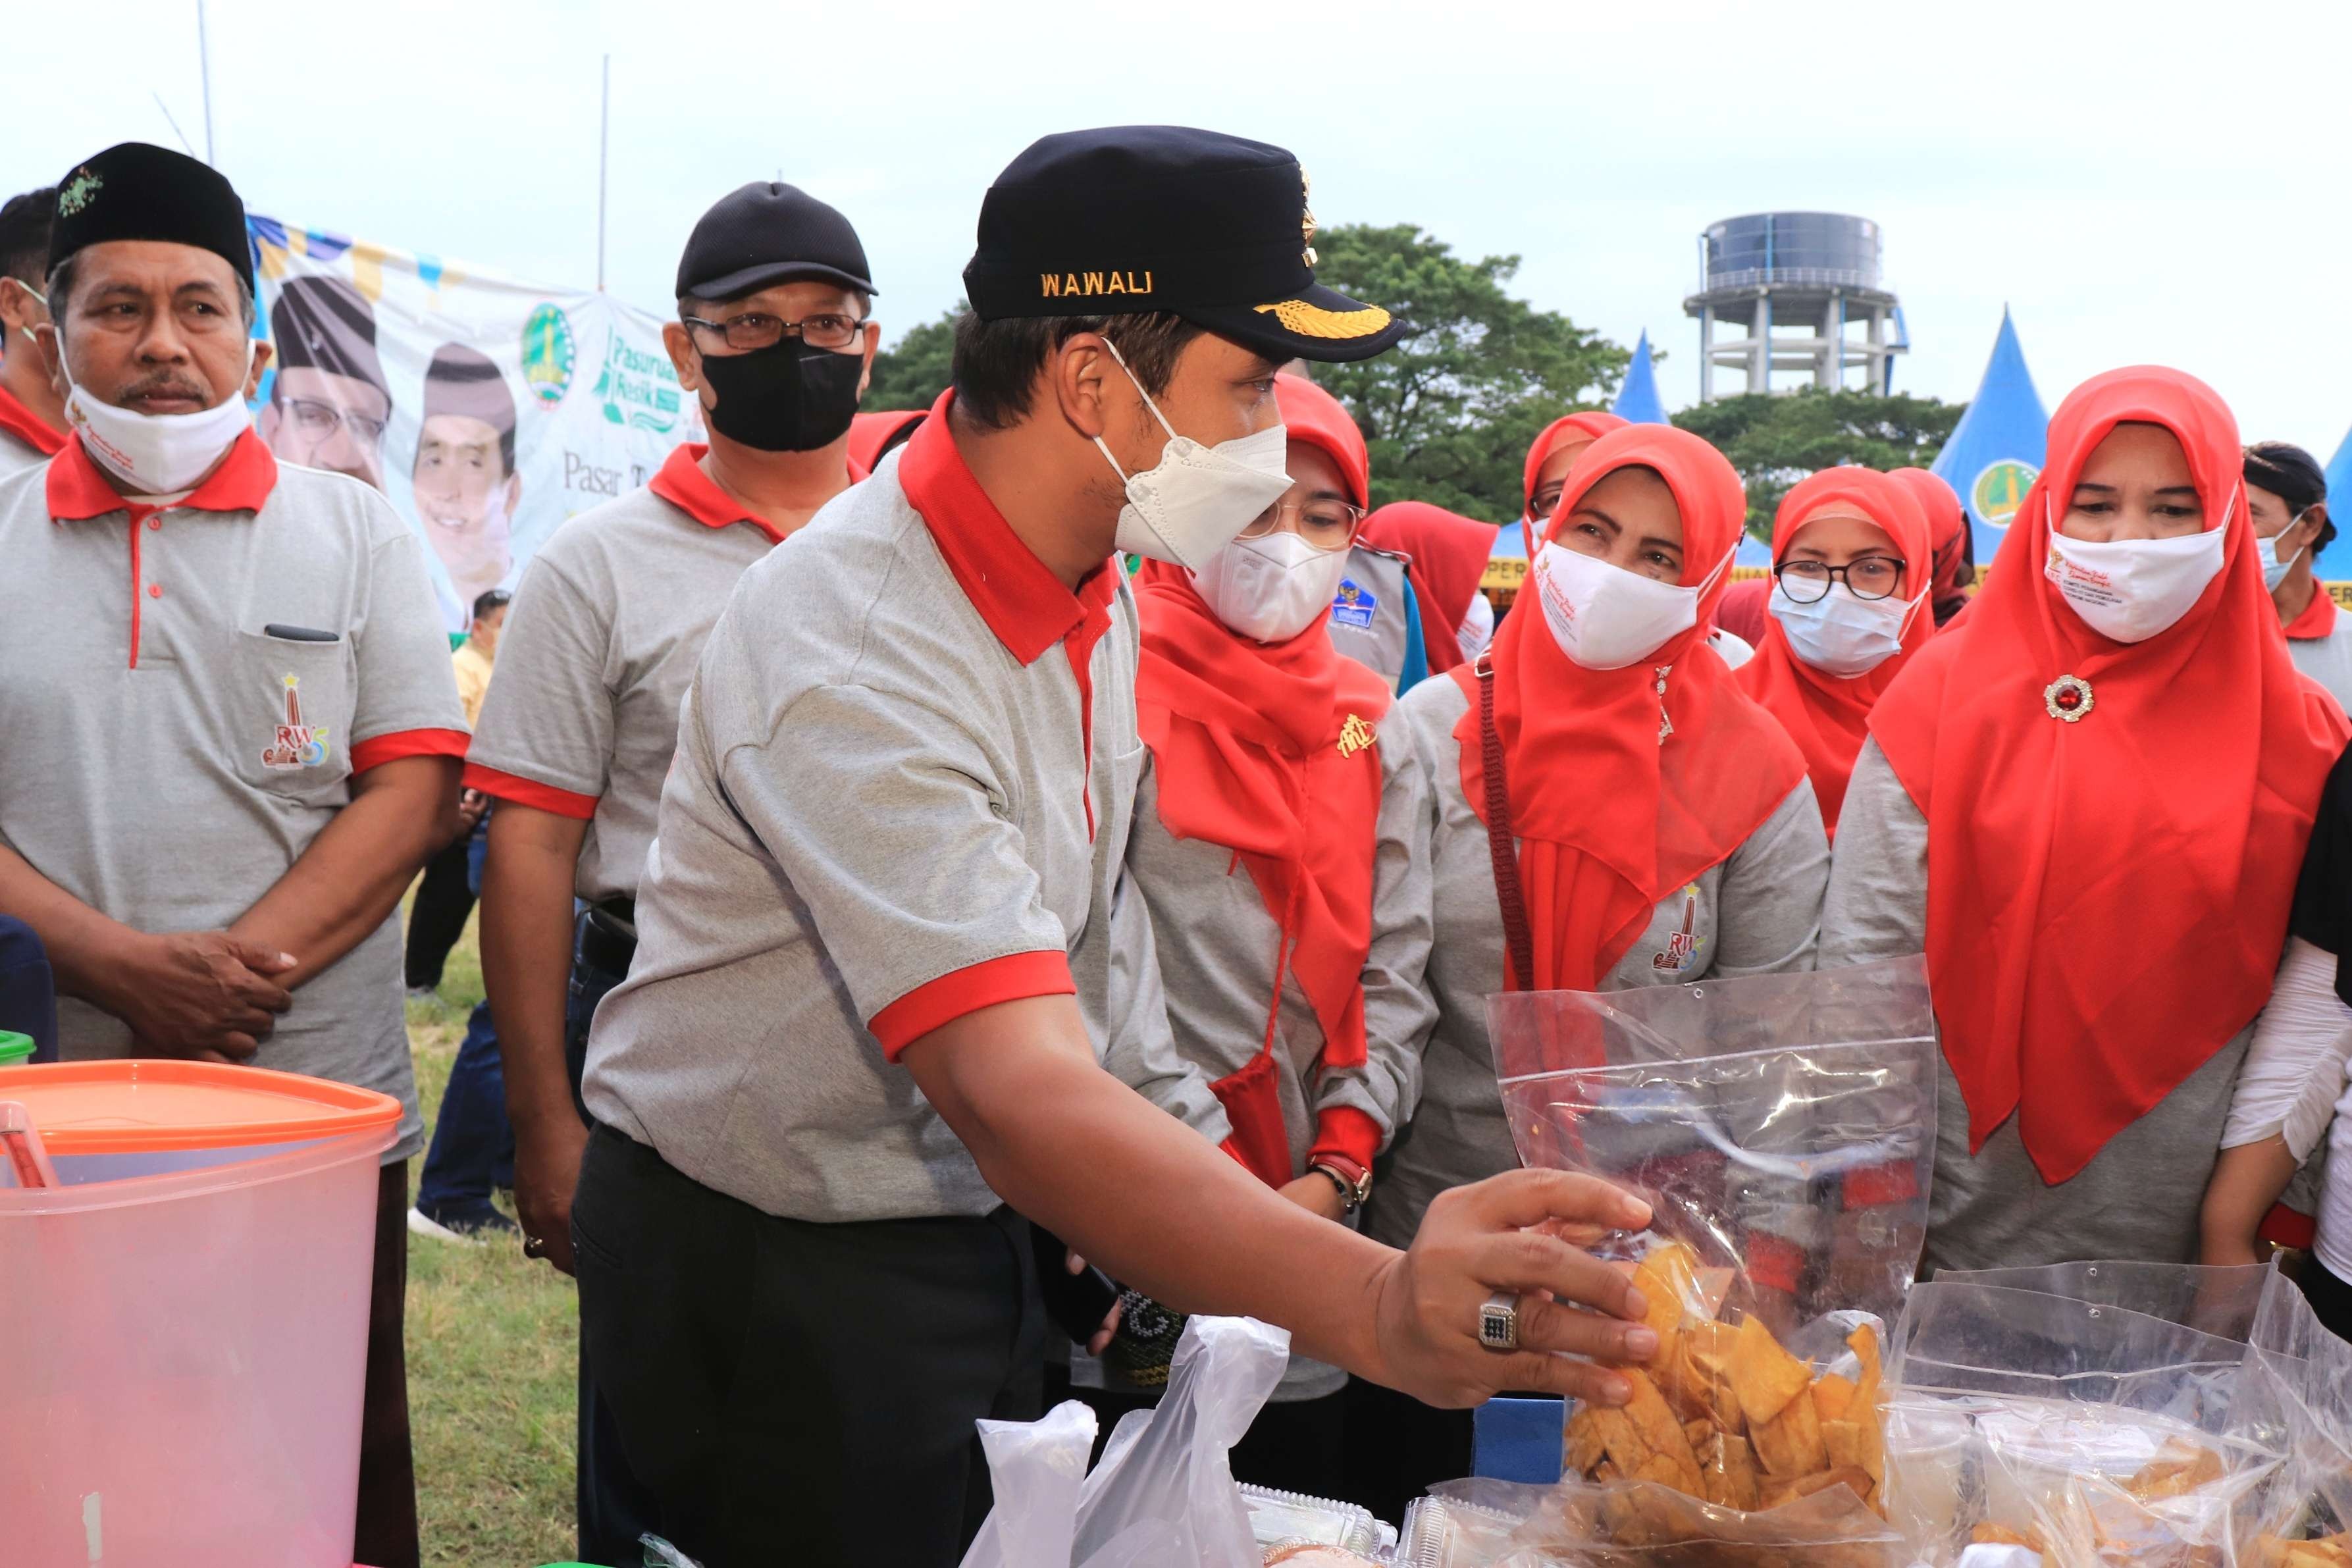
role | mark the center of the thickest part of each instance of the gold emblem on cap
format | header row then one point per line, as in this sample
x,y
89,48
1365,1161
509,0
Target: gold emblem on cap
x,y
1355,735
78,191
1307,216
1314,321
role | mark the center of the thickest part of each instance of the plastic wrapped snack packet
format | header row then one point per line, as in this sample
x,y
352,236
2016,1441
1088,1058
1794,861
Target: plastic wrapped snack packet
x,y
1782,1129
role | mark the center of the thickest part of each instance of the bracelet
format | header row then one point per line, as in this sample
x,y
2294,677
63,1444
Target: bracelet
x,y
1347,1193
1354,1180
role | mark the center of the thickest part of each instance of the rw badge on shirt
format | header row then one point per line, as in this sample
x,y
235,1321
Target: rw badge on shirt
x,y
294,745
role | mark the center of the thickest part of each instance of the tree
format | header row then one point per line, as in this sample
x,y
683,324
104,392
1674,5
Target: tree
x,y
1776,439
913,372
1449,412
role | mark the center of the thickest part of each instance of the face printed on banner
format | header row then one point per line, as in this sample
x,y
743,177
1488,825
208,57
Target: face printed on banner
x,y
466,500
330,402
153,361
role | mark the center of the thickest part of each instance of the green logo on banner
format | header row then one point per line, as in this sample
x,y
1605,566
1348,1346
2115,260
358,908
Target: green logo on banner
x,y
548,354
640,389
2001,490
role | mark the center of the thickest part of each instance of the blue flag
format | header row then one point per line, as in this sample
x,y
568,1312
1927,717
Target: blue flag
x,y
2001,444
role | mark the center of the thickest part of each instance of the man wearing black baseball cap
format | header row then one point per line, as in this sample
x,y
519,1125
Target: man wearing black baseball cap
x,y
885,948
774,340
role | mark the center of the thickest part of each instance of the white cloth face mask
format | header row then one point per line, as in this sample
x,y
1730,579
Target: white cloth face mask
x,y
160,454
1840,635
2131,589
1478,626
1196,499
1271,589
1605,617
2274,570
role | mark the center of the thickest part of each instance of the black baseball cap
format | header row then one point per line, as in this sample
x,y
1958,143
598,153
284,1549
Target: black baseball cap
x,y
1134,218
768,233
138,191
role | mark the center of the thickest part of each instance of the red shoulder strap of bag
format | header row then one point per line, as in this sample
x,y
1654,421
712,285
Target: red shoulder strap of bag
x,y
1502,844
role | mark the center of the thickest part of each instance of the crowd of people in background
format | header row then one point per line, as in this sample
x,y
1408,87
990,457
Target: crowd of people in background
x,y
841,804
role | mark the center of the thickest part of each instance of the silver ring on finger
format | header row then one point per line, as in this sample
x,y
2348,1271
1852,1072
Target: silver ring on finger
x,y
1498,1323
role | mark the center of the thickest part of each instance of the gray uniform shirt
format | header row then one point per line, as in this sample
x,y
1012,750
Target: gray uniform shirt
x,y
2138,1199
880,819
1216,946
2329,659
168,758
603,638
1758,912
1370,621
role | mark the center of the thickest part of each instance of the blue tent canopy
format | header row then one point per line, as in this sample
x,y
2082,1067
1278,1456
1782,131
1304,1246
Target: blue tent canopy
x,y
2339,487
1638,399
2001,444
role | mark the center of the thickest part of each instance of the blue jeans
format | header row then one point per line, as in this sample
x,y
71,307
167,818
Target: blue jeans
x,y
473,1143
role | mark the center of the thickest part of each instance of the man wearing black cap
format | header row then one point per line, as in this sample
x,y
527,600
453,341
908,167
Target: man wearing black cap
x,y
883,954
233,729
464,482
330,401
773,337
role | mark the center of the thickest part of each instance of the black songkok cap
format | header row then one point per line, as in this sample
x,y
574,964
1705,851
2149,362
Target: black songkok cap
x,y
466,381
135,191
322,323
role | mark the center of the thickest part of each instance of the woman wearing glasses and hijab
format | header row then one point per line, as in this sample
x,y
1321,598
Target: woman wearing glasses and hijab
x,y
1269,846
2088,808
1851,568
1599,808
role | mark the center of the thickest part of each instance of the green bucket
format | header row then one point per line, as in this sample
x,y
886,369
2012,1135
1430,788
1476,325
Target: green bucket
x,y
13,1048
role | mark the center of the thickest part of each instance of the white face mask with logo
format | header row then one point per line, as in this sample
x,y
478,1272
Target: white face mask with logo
x,y
1477,628
1605,617
160,454
1271,589
1840,635
1196,499
2274,570
2131,589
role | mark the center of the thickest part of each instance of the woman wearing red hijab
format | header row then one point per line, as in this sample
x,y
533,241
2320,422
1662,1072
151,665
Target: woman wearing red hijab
x,y
1948,535
1663,826
1851,564
1262,849
2088,808
1555,451
1449,555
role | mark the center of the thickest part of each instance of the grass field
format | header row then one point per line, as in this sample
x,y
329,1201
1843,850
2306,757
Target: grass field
x,y
491,1342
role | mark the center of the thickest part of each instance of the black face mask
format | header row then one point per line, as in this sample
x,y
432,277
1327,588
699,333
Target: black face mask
x,y
785,398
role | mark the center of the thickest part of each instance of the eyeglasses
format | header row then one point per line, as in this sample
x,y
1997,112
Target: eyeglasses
x,y
1870,577
318,421
753,330
1326,525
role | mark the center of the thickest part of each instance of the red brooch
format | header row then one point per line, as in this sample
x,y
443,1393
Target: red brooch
x,y
2068,698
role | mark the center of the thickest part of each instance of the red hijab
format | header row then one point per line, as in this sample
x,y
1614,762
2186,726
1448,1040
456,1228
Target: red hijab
x,y
1247,740
1610,819
1947,535
2107,899
1590,426
1313,416
1828,715
1449,554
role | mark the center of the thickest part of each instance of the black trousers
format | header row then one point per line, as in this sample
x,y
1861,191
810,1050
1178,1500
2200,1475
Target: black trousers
x,y
789,1390
437,916
2330,1298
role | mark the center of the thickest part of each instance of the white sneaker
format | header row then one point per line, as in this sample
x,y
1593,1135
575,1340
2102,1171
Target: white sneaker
x,y
420,1224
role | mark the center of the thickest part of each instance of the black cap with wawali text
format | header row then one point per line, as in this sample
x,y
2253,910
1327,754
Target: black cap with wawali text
x,y
1136,218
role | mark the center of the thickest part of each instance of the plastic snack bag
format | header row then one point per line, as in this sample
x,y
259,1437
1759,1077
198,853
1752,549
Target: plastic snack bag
x,y
1782,1129
2077,1432
2298,1392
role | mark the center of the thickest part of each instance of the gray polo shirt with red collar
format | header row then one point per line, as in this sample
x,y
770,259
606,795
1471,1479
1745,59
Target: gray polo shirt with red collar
x,y
597,650
27,440
187,692
906,772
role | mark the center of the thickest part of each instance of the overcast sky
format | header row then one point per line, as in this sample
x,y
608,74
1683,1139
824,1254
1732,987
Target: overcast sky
x,y
2138,183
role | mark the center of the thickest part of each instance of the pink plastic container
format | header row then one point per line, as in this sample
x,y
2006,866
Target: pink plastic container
x,y
184,1318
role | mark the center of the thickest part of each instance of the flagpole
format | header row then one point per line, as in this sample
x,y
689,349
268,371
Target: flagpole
x,y
205,66
603,158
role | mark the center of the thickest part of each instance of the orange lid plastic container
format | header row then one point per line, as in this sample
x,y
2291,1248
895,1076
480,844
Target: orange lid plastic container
x,y
134,1107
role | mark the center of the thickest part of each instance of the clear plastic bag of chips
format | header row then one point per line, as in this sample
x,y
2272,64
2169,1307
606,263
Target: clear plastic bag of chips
x,y
2073,1431
1782,1129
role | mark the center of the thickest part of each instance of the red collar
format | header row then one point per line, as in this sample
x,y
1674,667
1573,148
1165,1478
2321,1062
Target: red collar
x,y
28,427
78,491
1019,597
683,484
2317,619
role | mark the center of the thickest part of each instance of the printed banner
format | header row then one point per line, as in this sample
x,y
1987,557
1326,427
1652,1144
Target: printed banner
x,y
487,410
